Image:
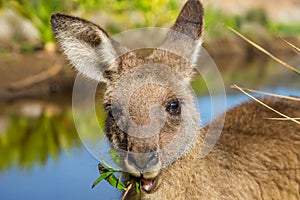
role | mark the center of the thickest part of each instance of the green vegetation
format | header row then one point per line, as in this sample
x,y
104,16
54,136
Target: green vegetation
x,y
284,29
119,15
38,12
133,13
215,19
199,86
110,174
28,140
1,3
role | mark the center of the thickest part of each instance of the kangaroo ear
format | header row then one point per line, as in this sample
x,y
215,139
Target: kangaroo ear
x,y
185,34
85,44
190,20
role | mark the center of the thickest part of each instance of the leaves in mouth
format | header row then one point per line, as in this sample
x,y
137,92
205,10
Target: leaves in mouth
x,y
138,188
107,173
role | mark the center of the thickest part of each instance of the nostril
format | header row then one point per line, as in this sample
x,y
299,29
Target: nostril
x,y
143,160
152,159
131,159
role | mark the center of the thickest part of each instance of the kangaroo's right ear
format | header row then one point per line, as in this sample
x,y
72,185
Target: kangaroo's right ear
x,y
86,45
184,38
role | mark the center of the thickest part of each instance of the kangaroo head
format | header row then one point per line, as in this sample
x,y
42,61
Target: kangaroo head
x,y
152,116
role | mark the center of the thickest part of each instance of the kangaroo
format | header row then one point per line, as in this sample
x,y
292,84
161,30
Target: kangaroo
x,y
153,120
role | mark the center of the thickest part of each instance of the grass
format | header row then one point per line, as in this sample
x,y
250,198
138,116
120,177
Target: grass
x,y
267,106
293,69
265,51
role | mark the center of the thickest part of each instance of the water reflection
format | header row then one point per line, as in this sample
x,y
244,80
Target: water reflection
x,y
33,132
42,156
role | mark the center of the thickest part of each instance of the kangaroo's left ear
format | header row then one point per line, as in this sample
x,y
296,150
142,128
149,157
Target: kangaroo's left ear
x,y
185,35
86,45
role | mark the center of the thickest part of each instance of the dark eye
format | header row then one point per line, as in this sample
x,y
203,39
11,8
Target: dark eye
x,y
174,107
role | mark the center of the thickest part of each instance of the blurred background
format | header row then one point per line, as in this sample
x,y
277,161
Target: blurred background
x,y
41,156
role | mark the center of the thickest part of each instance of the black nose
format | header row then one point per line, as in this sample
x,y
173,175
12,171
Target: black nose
x,y
143,160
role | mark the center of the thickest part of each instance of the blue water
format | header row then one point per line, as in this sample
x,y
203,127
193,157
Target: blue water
x,y
71,176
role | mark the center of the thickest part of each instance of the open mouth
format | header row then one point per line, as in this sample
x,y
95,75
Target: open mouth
x,y
147,184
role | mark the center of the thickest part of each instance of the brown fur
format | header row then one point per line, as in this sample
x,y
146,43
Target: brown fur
x,y
254,158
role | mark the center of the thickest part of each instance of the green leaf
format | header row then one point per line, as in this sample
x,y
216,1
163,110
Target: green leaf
x,y
107,173
107,167
102,169
138,188
103,176
114,181
120,183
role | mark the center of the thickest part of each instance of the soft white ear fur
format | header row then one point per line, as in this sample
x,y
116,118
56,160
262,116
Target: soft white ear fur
x,y
88,60
196,53
85,44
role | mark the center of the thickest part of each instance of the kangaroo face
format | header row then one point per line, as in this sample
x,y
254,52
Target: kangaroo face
x,y
152,117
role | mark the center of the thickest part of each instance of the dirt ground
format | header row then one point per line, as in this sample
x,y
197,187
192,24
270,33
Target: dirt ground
x,y
20,68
